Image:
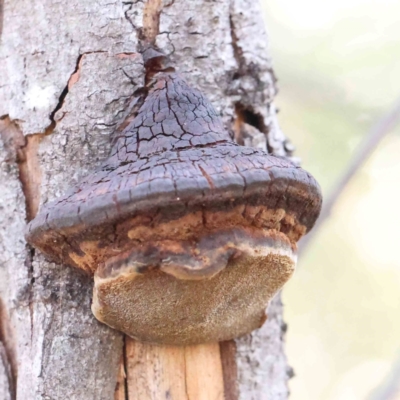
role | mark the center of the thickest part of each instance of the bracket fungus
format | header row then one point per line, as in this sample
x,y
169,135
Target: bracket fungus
x,y
188,234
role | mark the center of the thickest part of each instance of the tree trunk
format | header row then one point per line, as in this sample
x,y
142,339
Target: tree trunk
x,y
70,74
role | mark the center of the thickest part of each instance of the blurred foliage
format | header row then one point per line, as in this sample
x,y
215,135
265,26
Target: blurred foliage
x,y
338,65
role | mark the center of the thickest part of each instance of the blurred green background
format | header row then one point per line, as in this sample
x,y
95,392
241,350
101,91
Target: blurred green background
x,y
338,68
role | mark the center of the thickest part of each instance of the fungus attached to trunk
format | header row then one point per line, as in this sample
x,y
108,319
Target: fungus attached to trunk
x,y
188,234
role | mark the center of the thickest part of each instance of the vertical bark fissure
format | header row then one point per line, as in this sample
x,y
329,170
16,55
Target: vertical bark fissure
x,y
31,279
237,51
30,173
125,367
146,35
7,342
185,374
151,21
244,113
29,176
23,152
229,369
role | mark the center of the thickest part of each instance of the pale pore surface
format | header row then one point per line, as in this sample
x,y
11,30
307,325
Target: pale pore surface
x,y
156,307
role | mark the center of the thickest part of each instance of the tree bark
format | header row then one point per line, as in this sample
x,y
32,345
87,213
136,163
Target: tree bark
x,y
70,74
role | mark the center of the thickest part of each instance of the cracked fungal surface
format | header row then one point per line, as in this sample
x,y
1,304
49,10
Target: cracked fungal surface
x,y
189,235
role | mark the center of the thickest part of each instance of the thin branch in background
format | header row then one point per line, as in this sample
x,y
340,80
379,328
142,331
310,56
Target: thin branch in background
x,y
390,386
367,147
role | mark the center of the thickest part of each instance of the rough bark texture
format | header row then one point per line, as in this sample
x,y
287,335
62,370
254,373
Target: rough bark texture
x,y
70,74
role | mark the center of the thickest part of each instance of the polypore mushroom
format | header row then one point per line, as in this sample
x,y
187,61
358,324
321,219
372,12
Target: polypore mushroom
x,y
188,234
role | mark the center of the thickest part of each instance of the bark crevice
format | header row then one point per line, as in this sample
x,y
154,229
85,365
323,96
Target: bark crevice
x,y
229,369
74,77
23,151
151,21
7,351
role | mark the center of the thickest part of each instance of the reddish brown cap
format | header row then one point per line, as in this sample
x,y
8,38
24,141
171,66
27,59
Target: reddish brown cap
x,y
179,204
